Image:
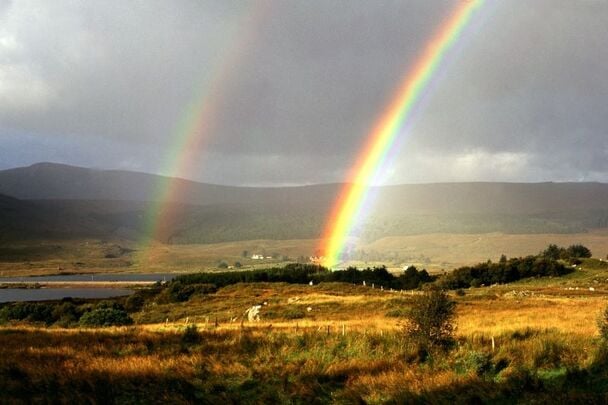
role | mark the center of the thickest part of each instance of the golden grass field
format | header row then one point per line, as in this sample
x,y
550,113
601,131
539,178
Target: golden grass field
x,y
532,341
363,356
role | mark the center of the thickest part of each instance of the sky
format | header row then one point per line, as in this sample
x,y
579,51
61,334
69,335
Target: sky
x,y
106,84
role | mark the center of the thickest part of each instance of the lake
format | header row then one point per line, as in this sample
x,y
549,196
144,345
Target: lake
x,y
95,277
48,294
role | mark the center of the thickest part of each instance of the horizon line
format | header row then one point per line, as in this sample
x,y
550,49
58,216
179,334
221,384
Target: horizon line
x,y
301,185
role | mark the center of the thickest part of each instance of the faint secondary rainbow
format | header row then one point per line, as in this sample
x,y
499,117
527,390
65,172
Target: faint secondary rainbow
x,y
372,156
198,120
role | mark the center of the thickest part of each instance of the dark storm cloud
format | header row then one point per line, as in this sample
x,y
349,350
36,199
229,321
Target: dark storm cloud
x,y
523,99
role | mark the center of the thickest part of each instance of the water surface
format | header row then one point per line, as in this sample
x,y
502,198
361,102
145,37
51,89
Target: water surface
x,y
95,277
48,294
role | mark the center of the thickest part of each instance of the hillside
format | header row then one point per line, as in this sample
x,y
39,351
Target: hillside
x,y
51,200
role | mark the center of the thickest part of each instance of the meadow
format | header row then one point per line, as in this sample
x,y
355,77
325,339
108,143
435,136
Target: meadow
x,y
532,341
435,252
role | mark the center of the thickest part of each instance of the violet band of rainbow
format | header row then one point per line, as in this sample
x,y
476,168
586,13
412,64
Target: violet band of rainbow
x,y
372,156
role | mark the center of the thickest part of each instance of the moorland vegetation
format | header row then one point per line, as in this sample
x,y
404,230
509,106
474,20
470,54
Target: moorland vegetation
x,y
188,341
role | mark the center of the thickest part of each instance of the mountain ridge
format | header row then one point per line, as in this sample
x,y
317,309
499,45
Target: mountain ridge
x,y
69,200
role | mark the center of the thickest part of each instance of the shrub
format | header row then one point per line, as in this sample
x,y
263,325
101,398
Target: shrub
x,y
602,324
191,335
578,251
180,292
66,313
28,311
478,363
505,271
134,302
106,317
431,319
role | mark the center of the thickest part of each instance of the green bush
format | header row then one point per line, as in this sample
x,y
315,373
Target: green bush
x,y
578,251
191,335
430,321
476,362
106,317
180,292
505,271
28,311
134,303
602,324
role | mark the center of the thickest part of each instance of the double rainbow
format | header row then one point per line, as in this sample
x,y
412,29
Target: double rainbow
x,y
379,143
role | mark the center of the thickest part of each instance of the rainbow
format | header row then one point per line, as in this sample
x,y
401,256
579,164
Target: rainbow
x,y
197,123
379,143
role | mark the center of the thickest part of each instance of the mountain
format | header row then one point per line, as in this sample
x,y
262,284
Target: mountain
x,y
63,182
51,200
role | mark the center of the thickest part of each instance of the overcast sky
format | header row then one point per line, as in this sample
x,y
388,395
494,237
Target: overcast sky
x,y
295,87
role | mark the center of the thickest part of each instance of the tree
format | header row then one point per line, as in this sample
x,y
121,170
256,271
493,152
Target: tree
x,y
431,319
578,251
106,317
552,252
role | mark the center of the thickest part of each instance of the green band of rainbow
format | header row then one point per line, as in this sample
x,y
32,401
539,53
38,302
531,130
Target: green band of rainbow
x,y
347,208
197,122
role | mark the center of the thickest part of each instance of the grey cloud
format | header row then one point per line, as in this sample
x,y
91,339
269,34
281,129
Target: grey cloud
x,y
302,84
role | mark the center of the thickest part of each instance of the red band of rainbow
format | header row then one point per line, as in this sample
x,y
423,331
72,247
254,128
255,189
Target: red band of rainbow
x,y
347,207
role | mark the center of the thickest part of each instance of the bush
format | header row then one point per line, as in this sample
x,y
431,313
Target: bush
x,y
66,313
296,273
431,319
578,251
477,362
602,324
106,317
191,335
134,303
505,271
180,292
28,311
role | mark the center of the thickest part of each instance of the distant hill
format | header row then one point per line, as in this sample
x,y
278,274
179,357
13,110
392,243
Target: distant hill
x,y
62,182
51,200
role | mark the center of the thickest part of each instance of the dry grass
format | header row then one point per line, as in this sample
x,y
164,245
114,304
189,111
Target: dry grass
x,y
441,251
545,349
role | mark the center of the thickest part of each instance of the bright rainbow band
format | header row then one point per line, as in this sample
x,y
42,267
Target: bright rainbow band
x,y
351,199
